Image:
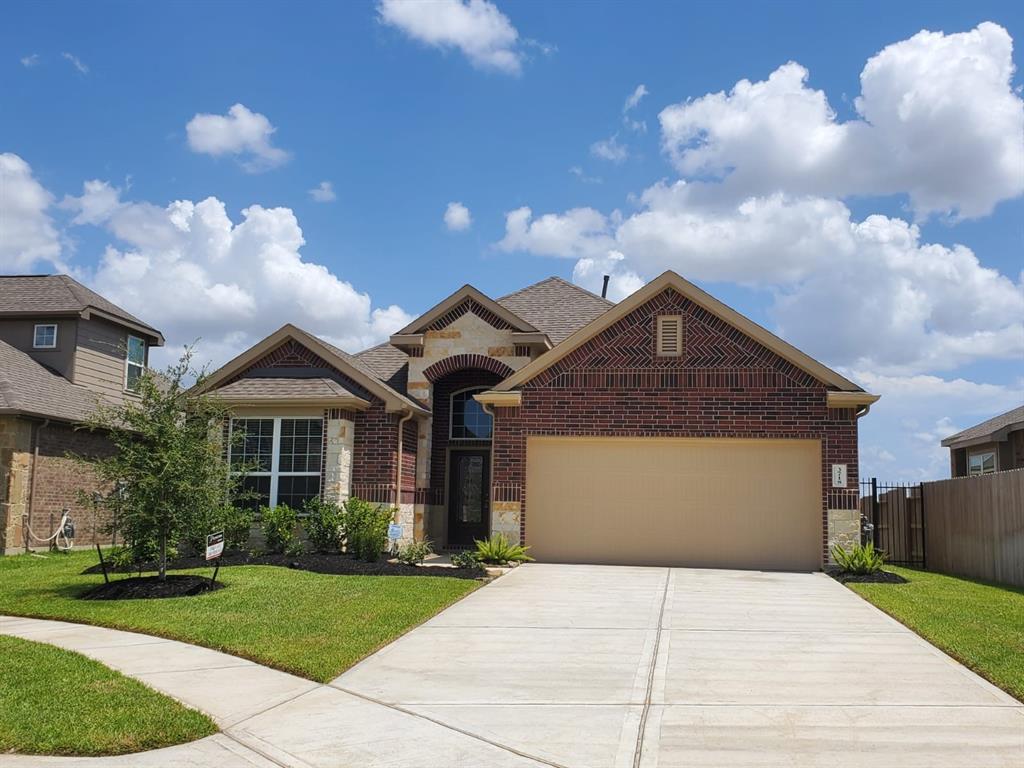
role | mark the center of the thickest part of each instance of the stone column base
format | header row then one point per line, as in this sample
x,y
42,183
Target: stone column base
x,y
843,529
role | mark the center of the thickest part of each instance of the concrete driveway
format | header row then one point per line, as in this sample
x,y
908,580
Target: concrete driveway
x,y
589,667
597,666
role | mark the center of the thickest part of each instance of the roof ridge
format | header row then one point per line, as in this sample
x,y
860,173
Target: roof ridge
x,y
559,279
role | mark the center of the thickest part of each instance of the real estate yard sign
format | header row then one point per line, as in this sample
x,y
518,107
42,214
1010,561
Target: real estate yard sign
x,y
214,545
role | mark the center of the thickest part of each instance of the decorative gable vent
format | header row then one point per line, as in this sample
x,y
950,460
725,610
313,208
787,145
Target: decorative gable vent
x,y
670,335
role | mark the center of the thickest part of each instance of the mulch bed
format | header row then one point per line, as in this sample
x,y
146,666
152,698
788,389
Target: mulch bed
x,y
151,588
882,577
340,564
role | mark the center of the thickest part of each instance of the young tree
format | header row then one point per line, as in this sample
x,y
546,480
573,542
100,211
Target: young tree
x,y
168,467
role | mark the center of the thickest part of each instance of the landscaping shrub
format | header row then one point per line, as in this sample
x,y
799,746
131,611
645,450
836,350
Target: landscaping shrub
x,y
278,524
324,524
366,528
498,550
466,560
415,552
860,560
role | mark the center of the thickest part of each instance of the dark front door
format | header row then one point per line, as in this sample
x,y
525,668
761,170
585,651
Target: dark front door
x,y
469,499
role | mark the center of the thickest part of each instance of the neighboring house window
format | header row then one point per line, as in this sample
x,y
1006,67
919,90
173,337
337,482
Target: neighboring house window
x,y
281,459
45,337
135,363
981,463
670,335
469,420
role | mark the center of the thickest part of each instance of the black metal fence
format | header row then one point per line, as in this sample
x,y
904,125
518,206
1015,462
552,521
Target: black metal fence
x,y
893,517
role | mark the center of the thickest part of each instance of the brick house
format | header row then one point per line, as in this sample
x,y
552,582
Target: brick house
x,y
63,350
666,429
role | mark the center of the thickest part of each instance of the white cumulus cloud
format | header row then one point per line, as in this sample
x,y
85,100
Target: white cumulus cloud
x,y
193,272
30,61
242,133
323,192
938,120
477,28
28,236
457,217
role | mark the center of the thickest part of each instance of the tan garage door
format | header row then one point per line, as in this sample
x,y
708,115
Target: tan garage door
x,y
665,501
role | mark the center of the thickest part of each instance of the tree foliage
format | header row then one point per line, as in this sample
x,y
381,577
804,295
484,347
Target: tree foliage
x,y
169,469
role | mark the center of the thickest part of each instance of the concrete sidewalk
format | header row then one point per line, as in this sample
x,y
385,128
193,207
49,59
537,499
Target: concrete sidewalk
x,y
596,667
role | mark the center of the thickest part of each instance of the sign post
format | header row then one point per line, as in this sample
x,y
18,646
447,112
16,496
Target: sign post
x,y
394,534
214,549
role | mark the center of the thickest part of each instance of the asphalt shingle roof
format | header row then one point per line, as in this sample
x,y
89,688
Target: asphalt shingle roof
x,y
556,307
268,388
56,294
996,423
387,363
26,387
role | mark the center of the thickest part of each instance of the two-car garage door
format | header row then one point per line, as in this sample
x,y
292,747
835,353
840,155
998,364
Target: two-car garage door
x,y
717,503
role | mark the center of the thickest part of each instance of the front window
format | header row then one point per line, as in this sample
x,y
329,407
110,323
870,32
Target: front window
x,y
135,363
45,337
281,459
469,420
981,463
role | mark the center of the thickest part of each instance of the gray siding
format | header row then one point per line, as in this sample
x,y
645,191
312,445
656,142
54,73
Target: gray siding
x,y
99,358
19,334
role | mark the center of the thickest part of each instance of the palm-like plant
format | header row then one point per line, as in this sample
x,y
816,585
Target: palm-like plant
x,y
498,549
860,560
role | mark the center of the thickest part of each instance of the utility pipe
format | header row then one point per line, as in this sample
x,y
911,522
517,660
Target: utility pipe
x,y
398,469
32,482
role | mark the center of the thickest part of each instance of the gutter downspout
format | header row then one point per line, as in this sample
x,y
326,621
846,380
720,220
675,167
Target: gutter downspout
x,y
398,469
32,482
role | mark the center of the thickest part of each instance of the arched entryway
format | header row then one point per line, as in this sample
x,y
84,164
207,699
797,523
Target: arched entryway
x,y
461,452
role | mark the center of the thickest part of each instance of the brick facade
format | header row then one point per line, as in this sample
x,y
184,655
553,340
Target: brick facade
x,y
45,486
725,384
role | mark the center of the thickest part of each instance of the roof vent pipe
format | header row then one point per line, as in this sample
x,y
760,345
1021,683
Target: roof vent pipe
x,y
604,288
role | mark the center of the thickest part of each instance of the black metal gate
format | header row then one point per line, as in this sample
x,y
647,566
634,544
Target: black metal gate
x,y
894,519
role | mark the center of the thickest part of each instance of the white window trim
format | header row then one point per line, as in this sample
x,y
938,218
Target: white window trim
x,y
451,415
982,456
35,330
128,363
275,453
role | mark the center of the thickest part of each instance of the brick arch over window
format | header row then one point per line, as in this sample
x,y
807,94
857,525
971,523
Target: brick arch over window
x,y
461,362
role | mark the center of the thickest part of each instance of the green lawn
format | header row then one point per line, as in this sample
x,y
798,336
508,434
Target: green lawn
x,y
310,624
981,625
56,702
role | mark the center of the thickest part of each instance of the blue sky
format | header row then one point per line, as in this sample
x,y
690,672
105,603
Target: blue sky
x,y
763,194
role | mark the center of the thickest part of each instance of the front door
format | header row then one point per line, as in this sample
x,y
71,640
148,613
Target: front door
x,y
469,499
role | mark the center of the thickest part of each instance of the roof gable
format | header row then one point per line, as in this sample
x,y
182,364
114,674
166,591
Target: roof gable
x,y
728,326
292,346
466,299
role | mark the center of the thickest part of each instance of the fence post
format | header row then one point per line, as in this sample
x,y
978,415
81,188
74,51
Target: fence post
x,y
875,539
924,531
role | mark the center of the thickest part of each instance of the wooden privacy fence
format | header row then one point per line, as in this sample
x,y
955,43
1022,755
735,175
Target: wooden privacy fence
x,y
975,526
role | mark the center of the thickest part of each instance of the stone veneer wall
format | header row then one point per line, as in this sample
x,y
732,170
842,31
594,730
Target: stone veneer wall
x,y
724,385
339,436
467,334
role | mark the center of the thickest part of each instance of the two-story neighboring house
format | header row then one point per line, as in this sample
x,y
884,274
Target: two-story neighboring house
x,y
63,349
